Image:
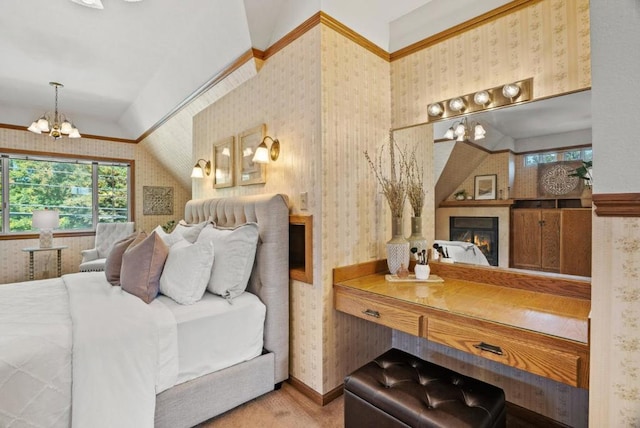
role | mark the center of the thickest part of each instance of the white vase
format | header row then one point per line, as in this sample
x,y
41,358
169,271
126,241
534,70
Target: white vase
x,y
397,247
416,240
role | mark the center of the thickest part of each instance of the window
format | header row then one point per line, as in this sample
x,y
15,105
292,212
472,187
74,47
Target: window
x,y
534,159
84,192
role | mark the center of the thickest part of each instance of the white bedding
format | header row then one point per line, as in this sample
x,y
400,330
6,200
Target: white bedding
x,y
216,333
35,357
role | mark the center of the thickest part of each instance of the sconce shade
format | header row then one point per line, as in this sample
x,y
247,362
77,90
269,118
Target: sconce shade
x,y
198,171
264,154
479,132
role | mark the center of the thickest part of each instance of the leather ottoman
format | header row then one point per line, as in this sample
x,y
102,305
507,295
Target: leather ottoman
x,y
400,390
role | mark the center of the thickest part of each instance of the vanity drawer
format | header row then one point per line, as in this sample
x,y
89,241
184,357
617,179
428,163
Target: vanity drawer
x,y
380,313
533,358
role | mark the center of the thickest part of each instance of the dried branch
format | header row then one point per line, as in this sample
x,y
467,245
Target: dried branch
x,y
393,186
415,183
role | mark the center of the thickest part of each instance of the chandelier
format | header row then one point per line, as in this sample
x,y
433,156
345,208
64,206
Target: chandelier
x,y
55,124
461,131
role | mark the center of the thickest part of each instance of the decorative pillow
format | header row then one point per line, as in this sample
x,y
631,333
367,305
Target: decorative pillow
x,y
113,264
235,252
182,230
142,265
187,271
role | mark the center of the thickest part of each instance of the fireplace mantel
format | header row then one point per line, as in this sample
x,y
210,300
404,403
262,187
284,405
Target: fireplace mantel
x,y
472,203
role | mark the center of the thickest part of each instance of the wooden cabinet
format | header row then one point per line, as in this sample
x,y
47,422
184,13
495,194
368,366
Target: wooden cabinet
x,y
552,240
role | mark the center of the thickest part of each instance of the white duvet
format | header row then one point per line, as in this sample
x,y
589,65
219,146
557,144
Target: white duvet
x,y
124,352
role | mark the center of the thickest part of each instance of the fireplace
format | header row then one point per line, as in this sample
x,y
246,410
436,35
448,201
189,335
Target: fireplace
x,y
482,231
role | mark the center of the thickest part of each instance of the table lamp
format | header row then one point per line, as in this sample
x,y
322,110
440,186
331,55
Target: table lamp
x,y
46,221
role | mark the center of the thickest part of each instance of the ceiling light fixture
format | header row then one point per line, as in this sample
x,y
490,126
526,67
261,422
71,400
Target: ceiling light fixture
x,y
199,171
264,154
482,100
55,124
460,131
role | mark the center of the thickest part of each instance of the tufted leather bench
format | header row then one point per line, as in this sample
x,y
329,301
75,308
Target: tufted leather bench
x,y
400,390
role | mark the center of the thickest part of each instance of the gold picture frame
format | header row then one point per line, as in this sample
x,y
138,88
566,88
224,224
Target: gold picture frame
x,y
249,172
223,163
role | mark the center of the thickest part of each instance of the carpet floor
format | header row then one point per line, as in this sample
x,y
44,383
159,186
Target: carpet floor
x,y
283,408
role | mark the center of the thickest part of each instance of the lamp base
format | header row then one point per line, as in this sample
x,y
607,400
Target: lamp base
x,y
46,238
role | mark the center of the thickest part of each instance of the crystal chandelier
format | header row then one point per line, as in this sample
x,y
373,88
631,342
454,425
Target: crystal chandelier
x,y
55,124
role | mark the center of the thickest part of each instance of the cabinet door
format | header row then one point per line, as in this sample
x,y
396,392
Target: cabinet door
x,y
526,243
550,240
575,258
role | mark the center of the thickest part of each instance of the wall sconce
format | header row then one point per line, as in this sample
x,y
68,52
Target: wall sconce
x,y
46,221
486,99
198,171
264,154
460,131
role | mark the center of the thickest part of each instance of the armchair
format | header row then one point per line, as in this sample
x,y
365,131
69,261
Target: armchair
x,y
107,234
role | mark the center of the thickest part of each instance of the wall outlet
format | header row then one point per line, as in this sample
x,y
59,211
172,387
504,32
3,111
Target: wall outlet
x,y
303,201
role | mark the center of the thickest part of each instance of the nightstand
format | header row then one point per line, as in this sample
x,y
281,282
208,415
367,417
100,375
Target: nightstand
x,y
32,250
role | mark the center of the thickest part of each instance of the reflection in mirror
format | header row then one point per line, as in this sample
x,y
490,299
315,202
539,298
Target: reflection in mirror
x,y
530,148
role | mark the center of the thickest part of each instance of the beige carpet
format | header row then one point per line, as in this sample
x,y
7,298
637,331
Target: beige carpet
x,y
282,409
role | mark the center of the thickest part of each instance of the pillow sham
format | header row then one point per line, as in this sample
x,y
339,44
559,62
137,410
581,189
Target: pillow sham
x,y
182,230
142,265
187,271
235,250
113,263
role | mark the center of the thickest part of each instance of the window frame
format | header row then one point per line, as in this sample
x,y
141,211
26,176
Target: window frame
x,y
558,152
5,153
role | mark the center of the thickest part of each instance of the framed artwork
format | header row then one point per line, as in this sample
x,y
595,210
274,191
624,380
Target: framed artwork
x,y
248,171
157,200
485,187
223,162
555,180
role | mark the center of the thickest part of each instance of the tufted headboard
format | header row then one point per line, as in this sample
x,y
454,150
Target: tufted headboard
x,y
270,277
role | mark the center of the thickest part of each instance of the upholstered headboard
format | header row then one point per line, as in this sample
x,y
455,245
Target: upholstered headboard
x,y
270,276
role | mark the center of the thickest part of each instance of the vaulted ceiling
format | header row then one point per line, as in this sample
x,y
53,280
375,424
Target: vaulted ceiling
x,y
127,66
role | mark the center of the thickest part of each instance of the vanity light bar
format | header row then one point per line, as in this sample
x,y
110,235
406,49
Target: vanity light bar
x,y
486,99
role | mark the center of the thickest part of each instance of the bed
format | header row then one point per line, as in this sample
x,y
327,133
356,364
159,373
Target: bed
x,y
463,252
76,351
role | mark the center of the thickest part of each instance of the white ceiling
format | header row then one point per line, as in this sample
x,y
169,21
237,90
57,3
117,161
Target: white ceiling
x,y
126,66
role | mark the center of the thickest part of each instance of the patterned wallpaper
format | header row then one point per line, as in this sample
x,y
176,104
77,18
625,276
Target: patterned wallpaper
x,y
14,266
548,41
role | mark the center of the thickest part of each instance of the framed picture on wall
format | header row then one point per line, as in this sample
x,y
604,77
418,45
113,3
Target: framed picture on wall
x,y
248,171
485,187
223,163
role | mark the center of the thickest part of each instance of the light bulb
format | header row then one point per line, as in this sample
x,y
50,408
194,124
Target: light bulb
x,y
481,98
457,104
435,109
511,91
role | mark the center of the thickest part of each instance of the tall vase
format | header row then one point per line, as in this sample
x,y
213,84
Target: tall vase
x,y
397,247
416,240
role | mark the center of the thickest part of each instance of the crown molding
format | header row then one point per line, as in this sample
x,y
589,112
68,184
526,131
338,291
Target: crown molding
x,y
617,204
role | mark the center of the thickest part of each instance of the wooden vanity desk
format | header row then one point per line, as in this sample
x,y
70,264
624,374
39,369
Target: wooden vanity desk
x,y
535,322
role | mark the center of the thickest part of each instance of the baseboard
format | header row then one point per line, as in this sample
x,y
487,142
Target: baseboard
x,y
520,417
313,395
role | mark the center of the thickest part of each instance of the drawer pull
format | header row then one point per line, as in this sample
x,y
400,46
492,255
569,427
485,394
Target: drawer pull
x,y
489,348
371,313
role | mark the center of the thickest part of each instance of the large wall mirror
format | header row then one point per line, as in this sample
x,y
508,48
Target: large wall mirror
x,y
522,142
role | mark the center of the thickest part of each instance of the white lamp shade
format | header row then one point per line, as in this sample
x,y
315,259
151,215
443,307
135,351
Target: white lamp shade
x,y
449,134
66,127
197,172
479,132
262,154
34,128
45,219
74,133
43,124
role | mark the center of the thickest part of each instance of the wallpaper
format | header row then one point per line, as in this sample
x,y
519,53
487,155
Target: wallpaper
x,y
616,336
548,41
15,263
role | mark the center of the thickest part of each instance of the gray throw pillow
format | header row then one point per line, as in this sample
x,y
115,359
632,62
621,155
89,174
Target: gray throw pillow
x,y
113,264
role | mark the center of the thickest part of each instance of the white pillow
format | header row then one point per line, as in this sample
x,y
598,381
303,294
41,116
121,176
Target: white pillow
x,y
235,252
187,271
182,230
